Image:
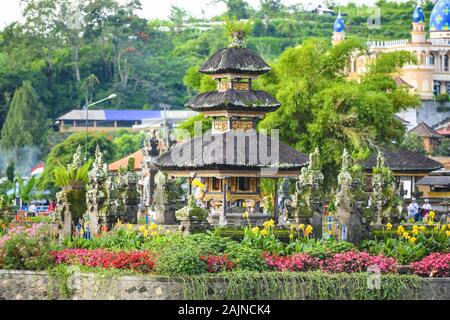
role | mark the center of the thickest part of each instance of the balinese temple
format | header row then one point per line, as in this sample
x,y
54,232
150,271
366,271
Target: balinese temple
x,y
231,159
408,167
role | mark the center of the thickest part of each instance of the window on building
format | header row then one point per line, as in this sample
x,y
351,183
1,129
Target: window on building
x,y
105,124
125,124
431,59
82,123
244,184
216,184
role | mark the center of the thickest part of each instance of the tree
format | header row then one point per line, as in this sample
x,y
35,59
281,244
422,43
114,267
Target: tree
x,y
127,143
238,9
11,171
62,154
321,108
444,148
26,189
413,143
271,8
288,27
177,17
26,123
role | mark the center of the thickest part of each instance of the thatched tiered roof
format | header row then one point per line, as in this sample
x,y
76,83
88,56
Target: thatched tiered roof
x,y
235,60
231,100
198,154
404,161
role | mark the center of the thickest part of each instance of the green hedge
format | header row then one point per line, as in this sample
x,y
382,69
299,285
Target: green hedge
x,y
297,285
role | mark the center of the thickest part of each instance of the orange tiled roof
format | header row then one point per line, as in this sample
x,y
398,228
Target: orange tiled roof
x,y
122,163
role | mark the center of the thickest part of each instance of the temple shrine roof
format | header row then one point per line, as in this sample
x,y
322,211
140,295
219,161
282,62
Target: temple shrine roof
x,y
404,161
245,155
232,100
235,60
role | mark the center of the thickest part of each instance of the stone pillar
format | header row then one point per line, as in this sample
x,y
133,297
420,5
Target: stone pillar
x,y
223,215
275,205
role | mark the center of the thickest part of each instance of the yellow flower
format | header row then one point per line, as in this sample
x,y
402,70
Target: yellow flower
x,y
412,240
130,227
447,233
269,224
389,226
245,215
400,230
430,223
444,226
291,236
431,215
119,223
153,234
264,232
301,226
145,233
255,230
142,229
309,229
152,226
405,235
423,228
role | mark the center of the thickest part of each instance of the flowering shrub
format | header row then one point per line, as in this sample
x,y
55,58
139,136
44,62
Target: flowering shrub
x,y
26,248
140,261
215,264
350,262
434,265
296,262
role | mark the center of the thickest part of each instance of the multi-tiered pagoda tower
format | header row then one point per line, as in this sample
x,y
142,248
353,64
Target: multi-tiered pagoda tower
x,y
233,157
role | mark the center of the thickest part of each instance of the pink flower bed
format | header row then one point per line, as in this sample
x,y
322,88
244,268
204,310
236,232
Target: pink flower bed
x,y
215,264
142,261
296,262
348,262
434,265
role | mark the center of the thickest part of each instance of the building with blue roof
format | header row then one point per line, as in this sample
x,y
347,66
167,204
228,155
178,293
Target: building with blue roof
x,y
338,29
111,120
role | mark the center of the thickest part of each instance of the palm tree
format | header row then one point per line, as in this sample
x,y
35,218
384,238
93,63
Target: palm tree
x,y
26,188
289,27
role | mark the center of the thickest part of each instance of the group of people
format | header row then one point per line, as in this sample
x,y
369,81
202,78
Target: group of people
x,y
418,213
34,212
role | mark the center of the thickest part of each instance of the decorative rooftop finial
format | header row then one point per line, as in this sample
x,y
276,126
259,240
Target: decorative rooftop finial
x,y
237,31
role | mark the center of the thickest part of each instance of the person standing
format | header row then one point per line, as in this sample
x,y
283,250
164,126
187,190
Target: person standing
x,y
426,208
413,210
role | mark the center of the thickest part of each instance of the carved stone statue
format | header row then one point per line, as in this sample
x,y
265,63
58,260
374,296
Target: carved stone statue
x,y
167,199
349,218
309,195
97,194
383,190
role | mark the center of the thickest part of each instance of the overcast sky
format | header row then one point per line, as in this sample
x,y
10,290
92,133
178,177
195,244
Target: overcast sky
x,y
10,9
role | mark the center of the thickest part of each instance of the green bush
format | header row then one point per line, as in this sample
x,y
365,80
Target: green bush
x,y
180,259
246,258
23,252
319,248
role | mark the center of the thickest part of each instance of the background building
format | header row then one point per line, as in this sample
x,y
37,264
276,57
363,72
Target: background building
x,y
110,120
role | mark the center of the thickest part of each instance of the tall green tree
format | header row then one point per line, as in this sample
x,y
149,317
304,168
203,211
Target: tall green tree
x,y
413,143
238,9
321,108
26,123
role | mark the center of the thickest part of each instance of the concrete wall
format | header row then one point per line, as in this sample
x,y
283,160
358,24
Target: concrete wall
x,y
426,113
27,285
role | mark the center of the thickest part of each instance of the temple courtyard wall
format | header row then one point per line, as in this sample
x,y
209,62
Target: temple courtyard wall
x,y
30,285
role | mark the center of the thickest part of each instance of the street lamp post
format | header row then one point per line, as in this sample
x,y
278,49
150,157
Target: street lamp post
x,y
87,122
